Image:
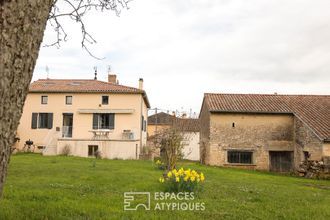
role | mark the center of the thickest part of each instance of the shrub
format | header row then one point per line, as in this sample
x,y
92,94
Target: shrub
x,y
98,154
170,142
66,150
145,150
156,158
183,180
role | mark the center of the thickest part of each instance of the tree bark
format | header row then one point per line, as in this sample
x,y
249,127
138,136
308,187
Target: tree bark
x,y
22,25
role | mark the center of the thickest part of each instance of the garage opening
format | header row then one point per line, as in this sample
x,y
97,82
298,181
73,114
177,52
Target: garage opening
x,y
281,161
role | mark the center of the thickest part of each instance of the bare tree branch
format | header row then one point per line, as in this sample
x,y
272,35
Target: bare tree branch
x,y
76,10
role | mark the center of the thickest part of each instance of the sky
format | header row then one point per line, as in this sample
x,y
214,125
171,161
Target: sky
x,y
185,48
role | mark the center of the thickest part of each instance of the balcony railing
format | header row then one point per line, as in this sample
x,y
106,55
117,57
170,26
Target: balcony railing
x,y
128,135
99,134
67,131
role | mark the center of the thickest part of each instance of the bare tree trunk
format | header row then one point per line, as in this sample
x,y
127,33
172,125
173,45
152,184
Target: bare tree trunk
x,y
22,25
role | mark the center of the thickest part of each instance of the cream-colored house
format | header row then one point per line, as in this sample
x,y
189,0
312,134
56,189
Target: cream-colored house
x,y
85,116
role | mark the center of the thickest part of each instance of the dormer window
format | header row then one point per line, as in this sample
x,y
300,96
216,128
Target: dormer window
x,y
44,99
105,100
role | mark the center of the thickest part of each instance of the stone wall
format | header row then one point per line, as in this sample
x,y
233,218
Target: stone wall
x,y
306,140
259,133
326,149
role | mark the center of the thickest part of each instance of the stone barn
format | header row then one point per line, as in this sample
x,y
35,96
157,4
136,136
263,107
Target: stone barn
x,y
264,132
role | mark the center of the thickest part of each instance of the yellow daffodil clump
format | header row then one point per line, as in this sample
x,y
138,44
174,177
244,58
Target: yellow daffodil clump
x,y
161,179
160,165
182,180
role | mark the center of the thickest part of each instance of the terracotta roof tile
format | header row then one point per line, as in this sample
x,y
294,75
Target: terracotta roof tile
x,y
314,110
79,85
82,86
184,124
161,118
188,124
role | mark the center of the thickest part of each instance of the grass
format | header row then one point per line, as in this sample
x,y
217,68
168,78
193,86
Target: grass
x,y
40,187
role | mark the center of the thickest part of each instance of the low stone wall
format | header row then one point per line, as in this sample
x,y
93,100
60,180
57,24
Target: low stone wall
x,y
240,166
315,169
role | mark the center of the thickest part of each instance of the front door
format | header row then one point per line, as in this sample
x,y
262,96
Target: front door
x,y
67,125
281,161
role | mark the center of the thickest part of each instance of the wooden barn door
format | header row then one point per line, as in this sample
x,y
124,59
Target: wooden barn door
x,y
281,161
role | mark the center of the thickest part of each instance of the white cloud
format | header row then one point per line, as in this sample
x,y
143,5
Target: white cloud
x,y
185,48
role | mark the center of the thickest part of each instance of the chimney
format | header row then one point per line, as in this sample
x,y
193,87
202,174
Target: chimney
x,y
140,83
112,78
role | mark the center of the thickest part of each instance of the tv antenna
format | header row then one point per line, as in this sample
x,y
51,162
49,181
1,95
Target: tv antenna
x,y
95,69
47,71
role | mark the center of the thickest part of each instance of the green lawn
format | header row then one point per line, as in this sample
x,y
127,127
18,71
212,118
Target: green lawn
x,y
40,187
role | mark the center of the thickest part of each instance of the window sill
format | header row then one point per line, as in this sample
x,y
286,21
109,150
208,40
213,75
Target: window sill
x,y
101,130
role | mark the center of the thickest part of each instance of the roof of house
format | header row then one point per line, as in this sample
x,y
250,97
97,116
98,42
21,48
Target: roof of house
x,y
313,110
161,118
188,124
184,124
83,86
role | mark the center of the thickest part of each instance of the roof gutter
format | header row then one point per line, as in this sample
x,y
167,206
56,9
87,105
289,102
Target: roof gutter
x,y
252,112
146,100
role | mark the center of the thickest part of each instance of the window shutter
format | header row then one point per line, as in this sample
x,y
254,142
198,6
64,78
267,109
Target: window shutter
x,y
95,121
112,121
142,120
50,121
34,120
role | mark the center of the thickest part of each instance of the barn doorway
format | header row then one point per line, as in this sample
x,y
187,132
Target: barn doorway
x,y
281,161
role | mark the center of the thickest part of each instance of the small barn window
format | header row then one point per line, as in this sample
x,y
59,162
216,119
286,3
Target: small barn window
x,y
306,155
243,157
233,125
